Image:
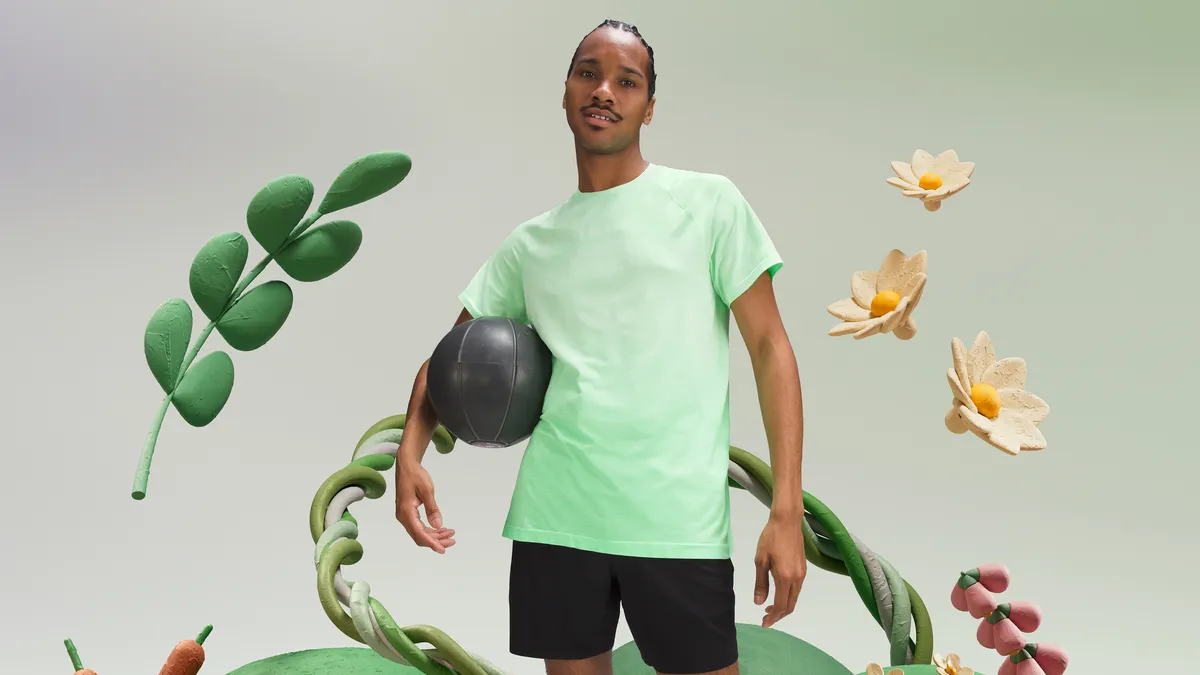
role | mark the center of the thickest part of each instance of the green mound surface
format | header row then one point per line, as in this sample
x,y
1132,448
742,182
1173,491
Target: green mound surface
x,y
762,651
923,669
338,661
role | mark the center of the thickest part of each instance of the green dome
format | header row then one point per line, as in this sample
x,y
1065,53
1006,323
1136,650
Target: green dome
x,y
922,669
338,661
761,651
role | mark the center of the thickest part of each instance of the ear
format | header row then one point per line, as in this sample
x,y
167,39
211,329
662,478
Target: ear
x,y
564,100
649,113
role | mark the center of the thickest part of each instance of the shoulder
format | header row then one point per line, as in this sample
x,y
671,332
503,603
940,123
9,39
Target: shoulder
x,y
697,191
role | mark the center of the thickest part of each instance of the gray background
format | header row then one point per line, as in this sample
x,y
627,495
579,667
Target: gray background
x,y
135,130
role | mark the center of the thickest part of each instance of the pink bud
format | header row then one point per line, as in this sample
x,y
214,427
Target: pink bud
x,y
994,577
1027,667
1006,636
1026,615
1007,667
980,602
1051,658
958,598
984,635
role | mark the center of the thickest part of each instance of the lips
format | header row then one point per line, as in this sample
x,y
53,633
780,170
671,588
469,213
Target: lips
x,y
600,117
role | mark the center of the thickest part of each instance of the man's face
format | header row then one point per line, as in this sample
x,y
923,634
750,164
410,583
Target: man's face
x,y
606,93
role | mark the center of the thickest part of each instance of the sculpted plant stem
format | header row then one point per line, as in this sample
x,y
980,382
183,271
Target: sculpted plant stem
x,y
142,477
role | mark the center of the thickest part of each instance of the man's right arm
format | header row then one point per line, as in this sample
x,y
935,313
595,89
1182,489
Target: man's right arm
x,y
421,419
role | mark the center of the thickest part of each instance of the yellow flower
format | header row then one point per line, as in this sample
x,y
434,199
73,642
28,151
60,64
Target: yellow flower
x,y
990,398
951,665
883,301
876,669
932,179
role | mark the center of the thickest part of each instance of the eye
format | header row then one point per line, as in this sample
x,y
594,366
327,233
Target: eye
x,y
585,73
628,83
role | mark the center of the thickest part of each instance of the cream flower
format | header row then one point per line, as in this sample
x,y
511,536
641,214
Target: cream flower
x,y
876,669
883,301
932,179
951,665
990,398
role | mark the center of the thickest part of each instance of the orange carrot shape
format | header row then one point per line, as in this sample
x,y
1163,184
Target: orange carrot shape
x,y
75,662
187,657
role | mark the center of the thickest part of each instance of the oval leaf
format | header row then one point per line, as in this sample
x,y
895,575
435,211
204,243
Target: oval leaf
x,y
205,389
167,338
366,178
257,316
216,270
277,209
321,251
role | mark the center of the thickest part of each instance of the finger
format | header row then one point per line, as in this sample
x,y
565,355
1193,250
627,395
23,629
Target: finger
x,y
420,533
432,512
793,596
762,581
776,611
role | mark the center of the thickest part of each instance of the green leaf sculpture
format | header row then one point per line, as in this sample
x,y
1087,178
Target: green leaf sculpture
x,y
278,218
257,316
321,251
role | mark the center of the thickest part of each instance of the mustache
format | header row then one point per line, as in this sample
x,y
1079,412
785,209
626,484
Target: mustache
x,y
609,111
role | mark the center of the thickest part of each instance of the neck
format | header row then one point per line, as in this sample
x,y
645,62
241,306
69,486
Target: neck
x,y
603,172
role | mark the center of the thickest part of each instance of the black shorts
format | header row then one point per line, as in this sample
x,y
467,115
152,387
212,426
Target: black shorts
x,y
564,604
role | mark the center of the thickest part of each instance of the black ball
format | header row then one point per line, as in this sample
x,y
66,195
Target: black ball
x,y
487,380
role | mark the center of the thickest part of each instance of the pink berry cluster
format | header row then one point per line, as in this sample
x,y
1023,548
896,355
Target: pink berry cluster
x,y
1002,626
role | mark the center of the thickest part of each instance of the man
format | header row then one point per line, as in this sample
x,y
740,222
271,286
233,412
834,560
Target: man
x,y
621,499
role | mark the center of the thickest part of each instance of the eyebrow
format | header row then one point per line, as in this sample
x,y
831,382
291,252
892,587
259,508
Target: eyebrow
x,y
624,69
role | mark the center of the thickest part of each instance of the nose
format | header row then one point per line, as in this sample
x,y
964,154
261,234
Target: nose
x,y
602,94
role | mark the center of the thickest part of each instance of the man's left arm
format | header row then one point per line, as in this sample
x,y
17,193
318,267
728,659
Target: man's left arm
x,y
780,551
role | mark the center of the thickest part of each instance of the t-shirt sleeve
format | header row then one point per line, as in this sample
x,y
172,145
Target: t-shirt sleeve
x,y
742,250
497,289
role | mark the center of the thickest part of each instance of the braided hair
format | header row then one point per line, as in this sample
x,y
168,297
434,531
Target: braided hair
x,y
628,28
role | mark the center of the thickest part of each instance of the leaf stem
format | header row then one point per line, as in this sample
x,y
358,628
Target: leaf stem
x,y
74,654
142,476
203,635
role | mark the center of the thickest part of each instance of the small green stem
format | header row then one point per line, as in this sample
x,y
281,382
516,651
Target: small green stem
x,y
74,654
203,635
142,476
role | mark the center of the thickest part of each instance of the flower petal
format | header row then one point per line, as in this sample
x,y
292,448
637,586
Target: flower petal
x,y
915,297
948,188
917,262
959,352
862,288
846,328
848,310
896,182
945,164
960,393
869,328
979,424
1008,373
915,193
967,168
894,317
954,421
1020,401
939,660
874,669
1012,432
905,173
891,271
952,659
981,356
921,163
908,329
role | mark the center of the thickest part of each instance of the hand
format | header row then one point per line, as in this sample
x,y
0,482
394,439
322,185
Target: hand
x,y
781,555
414,489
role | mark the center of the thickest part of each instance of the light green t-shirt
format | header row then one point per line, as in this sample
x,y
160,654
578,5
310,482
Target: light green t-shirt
x,y
630,289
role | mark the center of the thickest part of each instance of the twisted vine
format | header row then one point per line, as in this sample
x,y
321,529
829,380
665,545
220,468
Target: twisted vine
x,y
893,604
